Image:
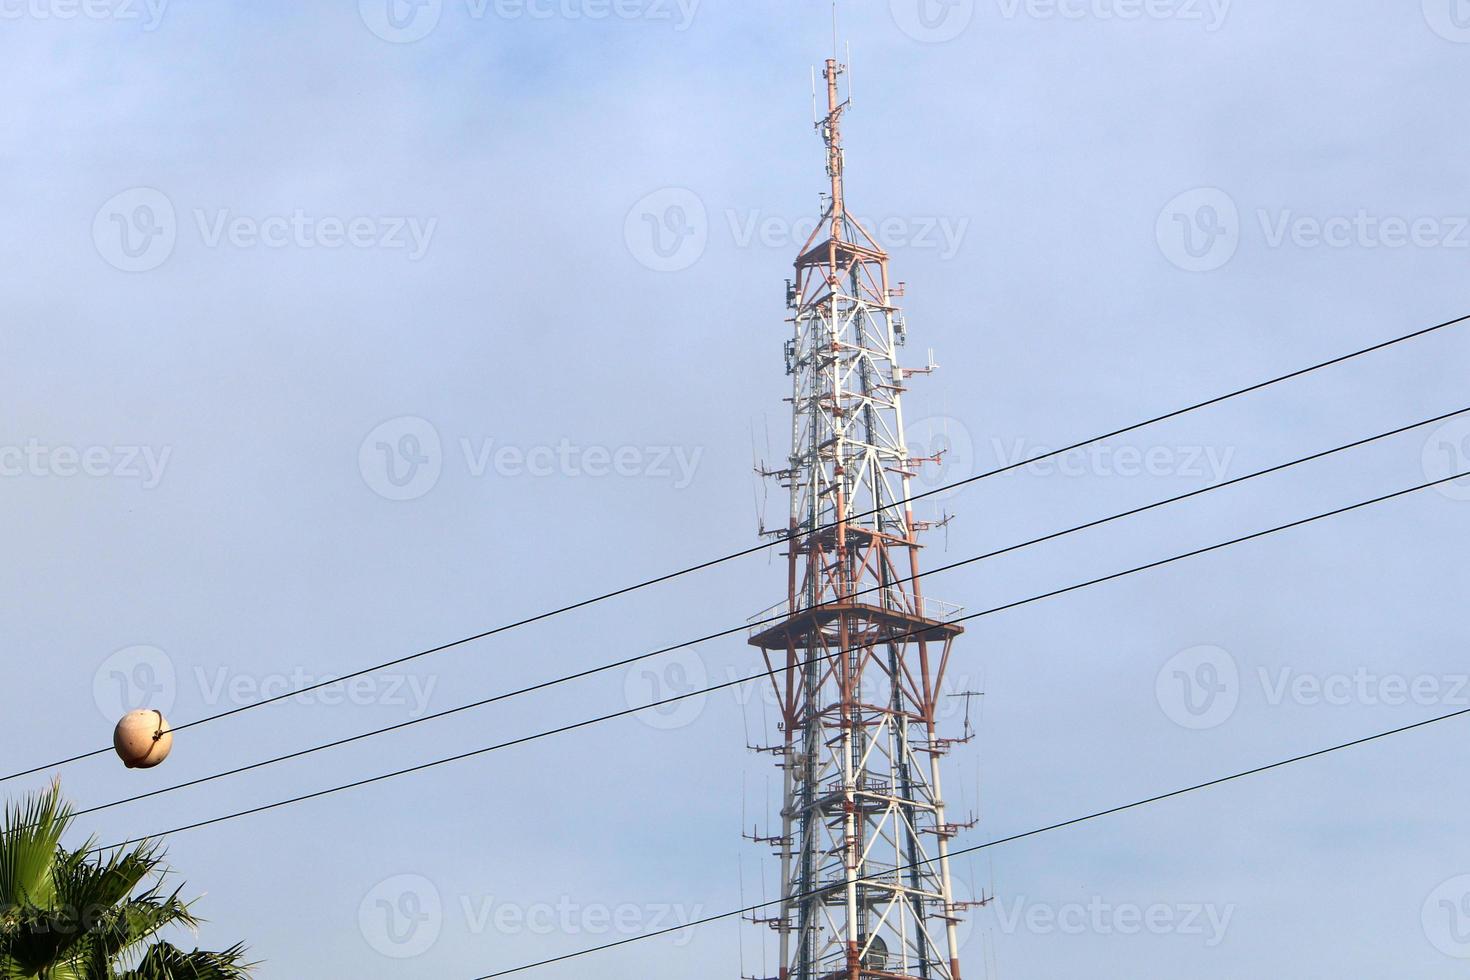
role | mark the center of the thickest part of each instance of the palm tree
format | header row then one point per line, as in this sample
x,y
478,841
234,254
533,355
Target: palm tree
x,y
79,915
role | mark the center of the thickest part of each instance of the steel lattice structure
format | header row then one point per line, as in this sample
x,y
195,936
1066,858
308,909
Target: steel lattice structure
x,y
859,655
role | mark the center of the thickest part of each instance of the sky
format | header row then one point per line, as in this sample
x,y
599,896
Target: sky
x,y
338,331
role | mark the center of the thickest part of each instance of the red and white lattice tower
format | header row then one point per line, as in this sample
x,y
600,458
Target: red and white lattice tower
x,y
858,653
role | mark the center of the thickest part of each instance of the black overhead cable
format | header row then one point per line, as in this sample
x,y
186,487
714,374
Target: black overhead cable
x,y
997,842
737,629
781,536
771,673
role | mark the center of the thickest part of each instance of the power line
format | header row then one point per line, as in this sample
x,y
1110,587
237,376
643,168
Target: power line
x,y
782,536
773,672
1137,804
737,629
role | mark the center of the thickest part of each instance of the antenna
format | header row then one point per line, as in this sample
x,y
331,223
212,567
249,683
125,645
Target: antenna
x,y
834,28
760,490
816,120
745,721
849,74
740,939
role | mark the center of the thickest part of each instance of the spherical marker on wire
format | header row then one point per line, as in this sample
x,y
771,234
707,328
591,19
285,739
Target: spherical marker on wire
x,y
142,739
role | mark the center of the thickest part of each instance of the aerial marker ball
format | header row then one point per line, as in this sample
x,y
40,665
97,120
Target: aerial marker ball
x,y
142,739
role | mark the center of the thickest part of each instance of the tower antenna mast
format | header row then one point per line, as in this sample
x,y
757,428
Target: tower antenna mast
x,y
858,654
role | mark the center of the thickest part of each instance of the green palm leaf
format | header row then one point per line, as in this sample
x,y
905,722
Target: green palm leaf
x,y
166,962
77,915
29,840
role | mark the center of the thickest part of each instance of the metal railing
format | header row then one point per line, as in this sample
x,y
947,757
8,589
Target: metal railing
x,y
935,610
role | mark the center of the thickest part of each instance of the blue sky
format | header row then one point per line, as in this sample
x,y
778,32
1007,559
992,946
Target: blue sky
x,y
247,247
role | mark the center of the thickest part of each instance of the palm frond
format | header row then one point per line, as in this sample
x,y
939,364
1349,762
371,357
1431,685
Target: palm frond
x,y
29,841
164,961
84,883
80,915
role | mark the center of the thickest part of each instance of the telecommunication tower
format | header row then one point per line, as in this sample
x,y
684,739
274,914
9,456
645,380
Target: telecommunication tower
x,y
858,653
